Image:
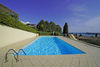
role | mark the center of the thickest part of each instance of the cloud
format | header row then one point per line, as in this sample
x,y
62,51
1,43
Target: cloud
x,y
22,22
79,8
74,21
92,25
25,22
76,8
80,14
80,21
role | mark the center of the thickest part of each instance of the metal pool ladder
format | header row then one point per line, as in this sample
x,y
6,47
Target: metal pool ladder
x,y
15,53
22,51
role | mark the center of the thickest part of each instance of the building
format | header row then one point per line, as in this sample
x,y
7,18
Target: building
x,y
31,25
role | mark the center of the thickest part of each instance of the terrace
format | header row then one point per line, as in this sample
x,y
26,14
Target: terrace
x,y
90,59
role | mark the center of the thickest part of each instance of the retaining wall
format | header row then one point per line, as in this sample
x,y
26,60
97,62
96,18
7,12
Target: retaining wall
x,y
9,35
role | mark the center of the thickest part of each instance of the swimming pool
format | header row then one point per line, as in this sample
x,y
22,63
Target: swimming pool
x,y
50,46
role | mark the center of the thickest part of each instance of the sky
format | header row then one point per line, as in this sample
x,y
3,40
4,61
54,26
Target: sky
x,y
81,15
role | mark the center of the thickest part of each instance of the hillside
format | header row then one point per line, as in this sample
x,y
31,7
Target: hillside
x,y
8,11
10,18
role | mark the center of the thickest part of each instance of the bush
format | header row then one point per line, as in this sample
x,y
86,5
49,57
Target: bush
x,y
9,21
49,33
8,11
44,33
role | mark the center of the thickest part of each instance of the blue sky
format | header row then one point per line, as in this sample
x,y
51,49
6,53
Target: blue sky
x,y
81,15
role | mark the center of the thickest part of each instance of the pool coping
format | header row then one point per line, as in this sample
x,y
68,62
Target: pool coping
x,y
91,59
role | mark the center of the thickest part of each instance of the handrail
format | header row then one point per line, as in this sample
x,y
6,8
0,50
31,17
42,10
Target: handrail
x,y
22,51
6,56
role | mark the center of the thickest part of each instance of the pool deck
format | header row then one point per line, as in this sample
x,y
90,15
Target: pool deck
x,y
90,59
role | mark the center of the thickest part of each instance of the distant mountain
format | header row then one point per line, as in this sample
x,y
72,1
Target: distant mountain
x,y
8,11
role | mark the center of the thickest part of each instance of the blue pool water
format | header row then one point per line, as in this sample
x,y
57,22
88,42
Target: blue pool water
x,y
50,46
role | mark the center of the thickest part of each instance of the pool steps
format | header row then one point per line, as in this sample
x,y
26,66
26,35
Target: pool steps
x,y
15,53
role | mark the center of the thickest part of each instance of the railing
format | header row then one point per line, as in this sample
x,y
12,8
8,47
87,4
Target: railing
x,y
15,53
22,51
6,56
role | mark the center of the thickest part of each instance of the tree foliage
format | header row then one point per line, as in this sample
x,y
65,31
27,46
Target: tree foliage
x,y
10,18
5,19
8,11
46,26
65,28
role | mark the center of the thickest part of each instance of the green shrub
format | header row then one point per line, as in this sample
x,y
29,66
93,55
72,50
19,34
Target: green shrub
x,y
49,33
44,33
8,11
9,21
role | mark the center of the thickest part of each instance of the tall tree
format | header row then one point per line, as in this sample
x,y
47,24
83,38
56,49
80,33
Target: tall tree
x,y
65,28
52,26
47,26
40,25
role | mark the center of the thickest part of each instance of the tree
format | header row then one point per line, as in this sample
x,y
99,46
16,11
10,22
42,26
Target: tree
x,y
65,29
7,20
52,26
40,25
58,28
49,27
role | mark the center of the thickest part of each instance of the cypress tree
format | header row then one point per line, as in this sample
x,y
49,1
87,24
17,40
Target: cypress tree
x,y
65,29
